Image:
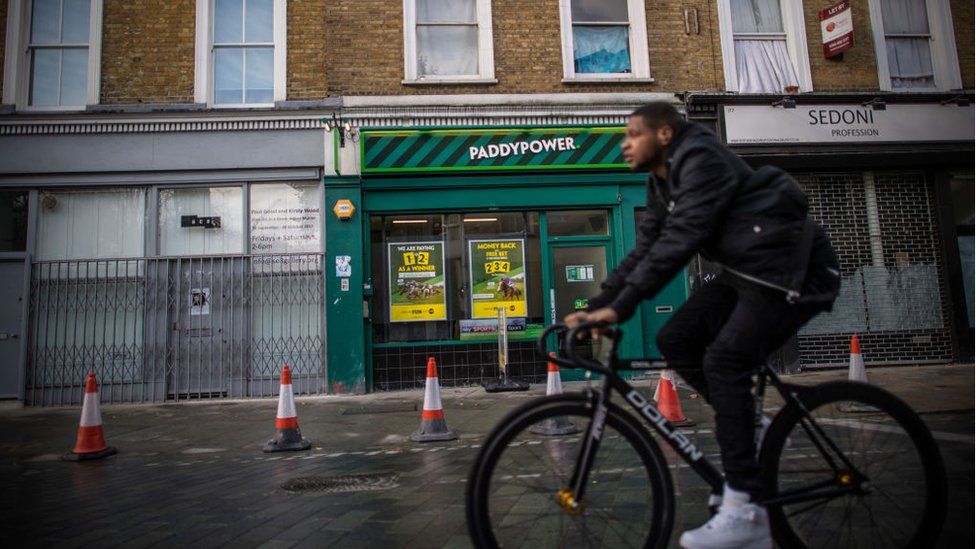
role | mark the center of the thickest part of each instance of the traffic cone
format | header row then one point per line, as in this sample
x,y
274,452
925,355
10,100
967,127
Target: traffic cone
x,y
667,399
289,435
432,424
559,425
91,439
856,371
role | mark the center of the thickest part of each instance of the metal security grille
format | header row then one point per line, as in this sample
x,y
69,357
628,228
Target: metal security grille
x,y
156,329
893,294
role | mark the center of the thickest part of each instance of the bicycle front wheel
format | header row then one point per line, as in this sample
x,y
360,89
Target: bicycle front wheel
x,y
876,459
513,497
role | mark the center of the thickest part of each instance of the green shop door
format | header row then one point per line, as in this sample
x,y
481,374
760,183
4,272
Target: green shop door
x,y
577,270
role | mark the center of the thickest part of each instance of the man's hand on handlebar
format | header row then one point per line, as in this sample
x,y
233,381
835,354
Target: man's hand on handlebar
x,y
605,315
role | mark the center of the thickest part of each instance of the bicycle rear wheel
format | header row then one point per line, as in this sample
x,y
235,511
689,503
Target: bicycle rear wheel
x,y
900,502
512,498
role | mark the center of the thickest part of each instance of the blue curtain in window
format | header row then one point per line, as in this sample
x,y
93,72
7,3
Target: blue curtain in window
x,y
601,49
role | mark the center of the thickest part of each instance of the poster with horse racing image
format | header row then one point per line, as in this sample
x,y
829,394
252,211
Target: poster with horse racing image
x,y
417,291
497,277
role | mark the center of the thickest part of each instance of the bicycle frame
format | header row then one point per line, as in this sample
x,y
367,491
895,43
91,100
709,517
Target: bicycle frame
x,y
673,435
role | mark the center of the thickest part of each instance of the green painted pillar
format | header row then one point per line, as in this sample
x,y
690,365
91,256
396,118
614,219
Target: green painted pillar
x,y
345,329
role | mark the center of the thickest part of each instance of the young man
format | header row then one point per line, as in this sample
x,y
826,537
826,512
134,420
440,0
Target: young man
x,y
779,271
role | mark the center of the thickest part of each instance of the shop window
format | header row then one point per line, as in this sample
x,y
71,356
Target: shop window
x,y
443,277
61,41
13,221
91,224
604,39
218,229
241,52
448,40
578,223
285,218
963,199
914,45
764,46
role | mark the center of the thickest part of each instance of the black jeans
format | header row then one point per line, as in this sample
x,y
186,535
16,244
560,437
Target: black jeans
x,y
716,341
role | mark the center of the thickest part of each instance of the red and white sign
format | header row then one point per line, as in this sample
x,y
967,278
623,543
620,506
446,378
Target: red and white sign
x,y
837,27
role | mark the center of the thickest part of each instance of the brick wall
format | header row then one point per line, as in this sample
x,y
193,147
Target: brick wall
x,y
148,51
309,40
367,59
962,18
853,71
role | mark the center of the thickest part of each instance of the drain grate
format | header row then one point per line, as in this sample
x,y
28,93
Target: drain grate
x,y
342,484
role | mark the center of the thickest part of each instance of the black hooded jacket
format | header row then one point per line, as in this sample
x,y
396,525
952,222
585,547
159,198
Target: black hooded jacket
x,y
752,222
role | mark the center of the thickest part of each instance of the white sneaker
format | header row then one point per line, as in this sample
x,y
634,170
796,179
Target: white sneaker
x,y
738,524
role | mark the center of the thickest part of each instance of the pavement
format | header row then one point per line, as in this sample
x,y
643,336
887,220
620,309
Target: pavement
x,y
193,474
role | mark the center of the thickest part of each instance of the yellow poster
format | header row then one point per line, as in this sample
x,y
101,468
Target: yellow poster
x,y
497,277
417,291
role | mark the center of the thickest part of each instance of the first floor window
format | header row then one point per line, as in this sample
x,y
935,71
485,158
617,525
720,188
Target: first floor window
x,y
907,36
604,39
58,49
447,37
762,61
243,52
601,36
448,40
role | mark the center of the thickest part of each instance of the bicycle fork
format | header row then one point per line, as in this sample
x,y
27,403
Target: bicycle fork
x,y
571,498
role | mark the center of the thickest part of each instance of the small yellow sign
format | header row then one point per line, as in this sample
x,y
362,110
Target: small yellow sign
x,y
344,209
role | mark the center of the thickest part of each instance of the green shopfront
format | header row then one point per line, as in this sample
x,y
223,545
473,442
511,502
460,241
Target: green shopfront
x,y
452,225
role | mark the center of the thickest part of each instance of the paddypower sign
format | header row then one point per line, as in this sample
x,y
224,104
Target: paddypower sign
x,y
403,151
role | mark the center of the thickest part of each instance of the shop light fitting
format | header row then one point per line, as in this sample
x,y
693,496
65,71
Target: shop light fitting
x,y
403,221
876,104
480,219
786,102
959,101
344,128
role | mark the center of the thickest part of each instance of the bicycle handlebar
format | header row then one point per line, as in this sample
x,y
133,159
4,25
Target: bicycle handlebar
x,y
572,360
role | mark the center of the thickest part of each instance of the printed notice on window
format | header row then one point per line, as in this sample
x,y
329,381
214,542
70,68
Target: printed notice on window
x,y
417,288
497,277
285,219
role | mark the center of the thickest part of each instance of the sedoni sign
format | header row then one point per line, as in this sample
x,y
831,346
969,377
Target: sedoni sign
x,y
765,125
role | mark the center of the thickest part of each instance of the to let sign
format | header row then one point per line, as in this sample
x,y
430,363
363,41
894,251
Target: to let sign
x,y
837,27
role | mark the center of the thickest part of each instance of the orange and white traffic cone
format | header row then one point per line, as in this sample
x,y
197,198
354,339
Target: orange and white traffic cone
x,y
857,374
289,435
667,399
856,371
558,425
91,438
432,424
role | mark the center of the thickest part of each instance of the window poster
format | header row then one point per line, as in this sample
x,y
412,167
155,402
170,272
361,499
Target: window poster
x,y
417,289
497,277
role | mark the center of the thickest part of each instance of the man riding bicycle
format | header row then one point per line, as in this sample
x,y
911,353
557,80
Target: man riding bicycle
x,y
779,271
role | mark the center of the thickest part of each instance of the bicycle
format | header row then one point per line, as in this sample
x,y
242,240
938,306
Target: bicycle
x,y
830,478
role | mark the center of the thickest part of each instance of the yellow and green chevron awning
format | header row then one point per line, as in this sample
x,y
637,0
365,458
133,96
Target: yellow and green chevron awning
x,y
452,150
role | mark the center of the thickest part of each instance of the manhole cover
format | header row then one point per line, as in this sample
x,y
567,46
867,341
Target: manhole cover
x,y
341,484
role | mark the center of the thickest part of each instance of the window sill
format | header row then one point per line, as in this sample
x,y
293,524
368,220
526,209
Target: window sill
x,y
450,82
608,80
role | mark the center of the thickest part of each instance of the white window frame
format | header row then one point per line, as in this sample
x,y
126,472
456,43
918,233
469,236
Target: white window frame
x,y
637,33
16,66
942,45
486,54
796,44
203,81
